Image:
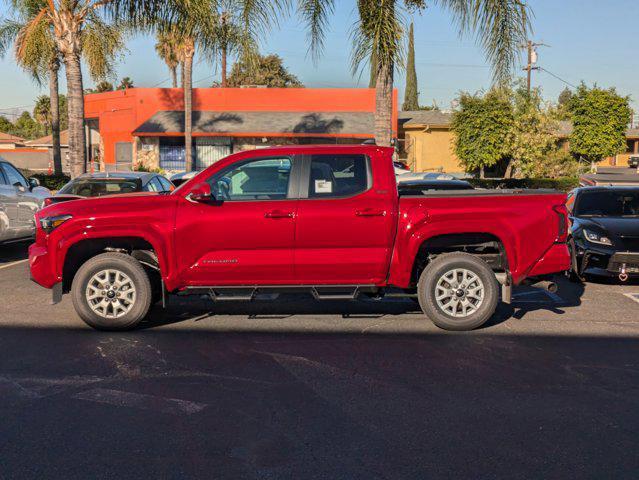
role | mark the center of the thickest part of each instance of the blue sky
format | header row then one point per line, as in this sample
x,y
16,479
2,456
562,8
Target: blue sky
x,y
589,40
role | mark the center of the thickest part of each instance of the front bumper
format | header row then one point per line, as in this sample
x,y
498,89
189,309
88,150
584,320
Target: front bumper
x,y
607,261
40,266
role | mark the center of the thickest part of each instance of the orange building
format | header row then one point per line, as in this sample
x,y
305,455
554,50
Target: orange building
x,y
146,125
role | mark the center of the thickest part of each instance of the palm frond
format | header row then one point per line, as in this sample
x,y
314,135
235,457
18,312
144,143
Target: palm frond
x,y
499,26
101,43
316,14
378,33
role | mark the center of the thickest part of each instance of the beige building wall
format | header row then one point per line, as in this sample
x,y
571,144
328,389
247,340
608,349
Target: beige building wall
x,y
431,149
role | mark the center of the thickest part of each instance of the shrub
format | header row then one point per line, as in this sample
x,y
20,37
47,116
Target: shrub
x,y
52,182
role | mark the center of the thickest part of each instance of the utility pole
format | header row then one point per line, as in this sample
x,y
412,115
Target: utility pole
x,y
531,48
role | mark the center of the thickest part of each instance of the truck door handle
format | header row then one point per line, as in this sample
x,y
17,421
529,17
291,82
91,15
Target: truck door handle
x,y
279,214
370,212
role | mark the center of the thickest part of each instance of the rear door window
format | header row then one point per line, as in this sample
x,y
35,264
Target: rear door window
x,y
333,176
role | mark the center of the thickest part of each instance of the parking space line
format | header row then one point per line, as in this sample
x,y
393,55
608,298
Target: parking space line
x,y
12,264
632,296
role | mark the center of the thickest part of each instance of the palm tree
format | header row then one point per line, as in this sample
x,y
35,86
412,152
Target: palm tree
x,y
498,25
232,37
75,31
167,48
42,113
197,25
36,52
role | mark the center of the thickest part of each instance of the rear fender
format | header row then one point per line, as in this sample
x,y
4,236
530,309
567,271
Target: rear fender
x,y
411,236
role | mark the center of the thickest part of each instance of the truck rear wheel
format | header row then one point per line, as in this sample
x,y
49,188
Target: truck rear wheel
x,y
111,291
458,291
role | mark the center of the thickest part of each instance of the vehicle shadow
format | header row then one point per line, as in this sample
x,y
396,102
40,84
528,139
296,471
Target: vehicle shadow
x,y
183,309
531,299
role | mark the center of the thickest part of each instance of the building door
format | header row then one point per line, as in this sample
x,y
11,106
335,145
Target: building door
x,y
209,150
123,156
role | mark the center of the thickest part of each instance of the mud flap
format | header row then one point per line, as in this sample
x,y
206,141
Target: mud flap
x,y
56,293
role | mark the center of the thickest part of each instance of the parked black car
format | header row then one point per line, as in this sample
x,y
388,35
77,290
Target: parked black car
x,y
633,161
604,232
101,184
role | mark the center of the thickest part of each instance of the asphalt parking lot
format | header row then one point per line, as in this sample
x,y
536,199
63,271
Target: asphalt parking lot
x,y
292,388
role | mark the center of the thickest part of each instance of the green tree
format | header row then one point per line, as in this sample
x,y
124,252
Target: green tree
x,y
269,71
600,118
125,83
6,126
534,128
564,97
483,128
103,86
411,95
499,26
26,127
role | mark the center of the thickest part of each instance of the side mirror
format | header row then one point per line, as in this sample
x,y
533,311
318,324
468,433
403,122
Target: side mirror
x,y
201,193
33,182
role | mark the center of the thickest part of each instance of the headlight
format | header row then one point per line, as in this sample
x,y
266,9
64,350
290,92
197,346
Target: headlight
x,y
595,237
49,224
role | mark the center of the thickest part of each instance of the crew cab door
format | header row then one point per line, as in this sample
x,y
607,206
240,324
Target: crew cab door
x,y
346,221
245,237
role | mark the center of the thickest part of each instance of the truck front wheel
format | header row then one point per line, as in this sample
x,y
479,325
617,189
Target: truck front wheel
x,y
111,291
458,291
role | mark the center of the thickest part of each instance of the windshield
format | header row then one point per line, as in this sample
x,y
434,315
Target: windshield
x,y
619,203
97,187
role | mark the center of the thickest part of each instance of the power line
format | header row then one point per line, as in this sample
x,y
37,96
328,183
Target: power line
x,y
557,77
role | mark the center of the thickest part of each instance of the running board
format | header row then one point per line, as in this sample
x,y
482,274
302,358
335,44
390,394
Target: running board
x,y
249,292
320,293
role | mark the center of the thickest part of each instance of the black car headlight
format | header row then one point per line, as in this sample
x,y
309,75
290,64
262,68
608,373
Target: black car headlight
x,y
595,237
49,224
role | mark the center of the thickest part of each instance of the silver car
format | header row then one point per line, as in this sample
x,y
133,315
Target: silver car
x,y
19,200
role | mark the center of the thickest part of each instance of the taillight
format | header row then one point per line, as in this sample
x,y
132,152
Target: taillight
x,y
562,222
48,201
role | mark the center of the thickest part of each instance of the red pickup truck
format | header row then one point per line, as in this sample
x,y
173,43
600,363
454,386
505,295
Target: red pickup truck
x,y
324,219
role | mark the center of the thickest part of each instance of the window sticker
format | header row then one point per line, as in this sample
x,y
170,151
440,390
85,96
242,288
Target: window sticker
x,y
323,186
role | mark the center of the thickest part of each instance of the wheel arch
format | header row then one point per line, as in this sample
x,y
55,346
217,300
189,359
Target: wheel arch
x,y
485,245
79,252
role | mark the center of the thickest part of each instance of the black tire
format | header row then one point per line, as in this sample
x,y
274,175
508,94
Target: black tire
x,y
436,270
139,278
573,273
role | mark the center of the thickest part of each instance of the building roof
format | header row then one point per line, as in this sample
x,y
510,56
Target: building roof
x,y
425,117
436,118
47,140
266,123
8,138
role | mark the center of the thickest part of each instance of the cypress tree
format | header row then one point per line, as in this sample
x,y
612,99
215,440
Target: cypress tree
x,y
411,100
